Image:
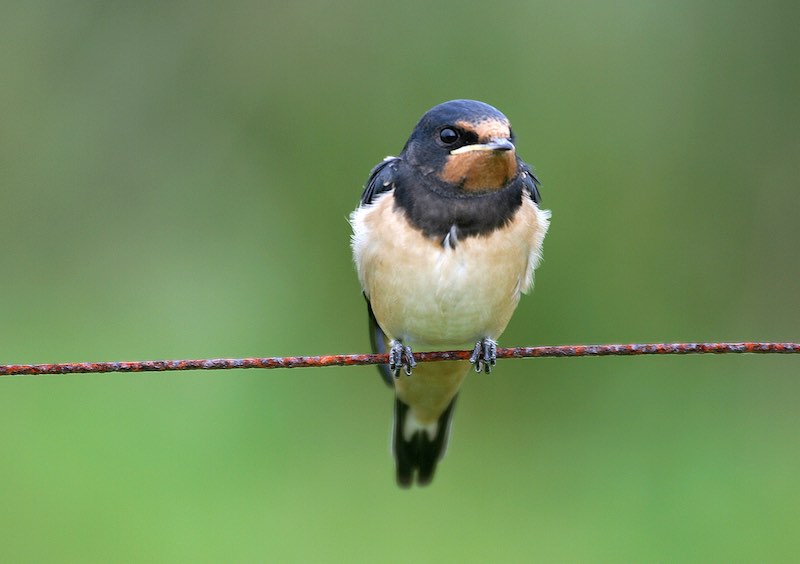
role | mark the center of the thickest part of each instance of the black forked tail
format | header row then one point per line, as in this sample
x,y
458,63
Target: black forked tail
x,y
419,453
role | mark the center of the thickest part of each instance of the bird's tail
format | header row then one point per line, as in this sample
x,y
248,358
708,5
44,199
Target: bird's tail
x,y
418,447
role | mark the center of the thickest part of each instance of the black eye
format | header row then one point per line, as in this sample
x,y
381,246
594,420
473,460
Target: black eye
x,y
448,135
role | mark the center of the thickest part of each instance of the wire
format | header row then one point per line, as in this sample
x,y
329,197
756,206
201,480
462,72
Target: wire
x,y
364,359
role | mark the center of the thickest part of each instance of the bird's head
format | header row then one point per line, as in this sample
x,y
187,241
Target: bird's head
x,y
466,144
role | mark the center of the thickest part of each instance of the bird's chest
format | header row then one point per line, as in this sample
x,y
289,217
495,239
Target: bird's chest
x,y
452,296
429,293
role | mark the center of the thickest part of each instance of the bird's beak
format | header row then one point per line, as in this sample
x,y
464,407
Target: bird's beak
x,y
497,145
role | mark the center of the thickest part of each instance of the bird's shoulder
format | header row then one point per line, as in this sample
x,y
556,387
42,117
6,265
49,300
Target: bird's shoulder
x,y
382,178
530,182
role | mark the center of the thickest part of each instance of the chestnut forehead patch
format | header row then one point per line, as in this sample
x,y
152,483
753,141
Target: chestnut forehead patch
x,y
487,129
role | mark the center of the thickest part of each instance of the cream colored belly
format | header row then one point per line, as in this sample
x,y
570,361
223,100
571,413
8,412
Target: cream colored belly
x,y
425,294
442,296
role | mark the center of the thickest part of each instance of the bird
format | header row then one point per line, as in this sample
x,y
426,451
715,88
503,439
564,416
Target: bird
x,y
446,237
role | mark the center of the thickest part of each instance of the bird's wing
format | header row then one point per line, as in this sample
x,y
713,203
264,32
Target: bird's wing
x,y
531,183
381,179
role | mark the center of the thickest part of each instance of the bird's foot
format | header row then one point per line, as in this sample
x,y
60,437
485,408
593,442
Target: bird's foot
x,y
401,358
484,356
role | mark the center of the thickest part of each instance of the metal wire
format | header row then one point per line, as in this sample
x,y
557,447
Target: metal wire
x,y
363,359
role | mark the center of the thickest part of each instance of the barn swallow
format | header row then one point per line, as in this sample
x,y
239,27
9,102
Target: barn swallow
x,y
445,240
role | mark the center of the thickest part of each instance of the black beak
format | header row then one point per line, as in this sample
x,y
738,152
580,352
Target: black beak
x,y
498,145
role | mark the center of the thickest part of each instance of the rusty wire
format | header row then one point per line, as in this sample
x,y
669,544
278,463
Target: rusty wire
x,y
364,359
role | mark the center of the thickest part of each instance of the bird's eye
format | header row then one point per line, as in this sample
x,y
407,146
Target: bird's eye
x,y
448,135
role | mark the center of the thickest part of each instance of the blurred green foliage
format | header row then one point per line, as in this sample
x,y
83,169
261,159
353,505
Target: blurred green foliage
x,y
175,179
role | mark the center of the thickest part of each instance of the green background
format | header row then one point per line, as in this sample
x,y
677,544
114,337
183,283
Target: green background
x,y
175,180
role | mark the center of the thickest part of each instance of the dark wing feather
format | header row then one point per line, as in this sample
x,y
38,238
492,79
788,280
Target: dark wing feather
x,y
381,179
531,182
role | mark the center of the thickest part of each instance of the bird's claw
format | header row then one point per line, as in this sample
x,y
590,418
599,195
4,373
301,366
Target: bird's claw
x,y
484,355
401,358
